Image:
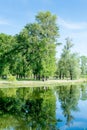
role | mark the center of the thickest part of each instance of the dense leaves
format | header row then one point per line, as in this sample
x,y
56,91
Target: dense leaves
x,y
33,51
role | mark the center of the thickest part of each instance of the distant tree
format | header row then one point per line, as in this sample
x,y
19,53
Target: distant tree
x,y
74,66
83,60
68,65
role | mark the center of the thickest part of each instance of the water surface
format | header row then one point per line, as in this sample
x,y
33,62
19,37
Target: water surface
x,y
44,108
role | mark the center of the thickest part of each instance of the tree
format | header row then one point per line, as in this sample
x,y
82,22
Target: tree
x,y
33,50
83,60
6,43
74,66
39,44
48,39
68,65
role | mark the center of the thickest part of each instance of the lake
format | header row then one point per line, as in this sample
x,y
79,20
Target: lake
x,y
44,108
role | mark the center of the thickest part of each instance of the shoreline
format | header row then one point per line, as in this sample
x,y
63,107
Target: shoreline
x,y
11,84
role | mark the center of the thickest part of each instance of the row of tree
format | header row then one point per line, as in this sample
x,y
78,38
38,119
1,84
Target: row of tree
x,y
33,52
71,65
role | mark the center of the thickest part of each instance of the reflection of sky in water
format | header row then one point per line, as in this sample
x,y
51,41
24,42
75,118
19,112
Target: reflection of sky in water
x,y
59,115
82,113
80,117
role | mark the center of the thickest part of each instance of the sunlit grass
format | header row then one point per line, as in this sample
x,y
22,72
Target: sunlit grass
x,y
6,84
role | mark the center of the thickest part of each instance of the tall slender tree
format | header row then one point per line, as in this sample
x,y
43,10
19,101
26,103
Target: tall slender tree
x,y
39,40
68,65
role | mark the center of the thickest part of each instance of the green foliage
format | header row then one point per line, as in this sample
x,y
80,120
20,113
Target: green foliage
x,y
5,70
11,78
32,50
83,62
39,44
6,45
68,65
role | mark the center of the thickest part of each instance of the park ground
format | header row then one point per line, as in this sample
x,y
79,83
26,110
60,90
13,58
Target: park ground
x,y
24,83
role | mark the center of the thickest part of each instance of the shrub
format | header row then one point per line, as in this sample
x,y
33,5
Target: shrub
x,y
11,78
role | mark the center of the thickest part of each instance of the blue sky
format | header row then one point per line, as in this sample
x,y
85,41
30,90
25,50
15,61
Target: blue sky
x,y
71,14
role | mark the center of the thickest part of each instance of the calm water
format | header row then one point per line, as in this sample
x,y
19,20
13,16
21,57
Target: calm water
x,y
57,108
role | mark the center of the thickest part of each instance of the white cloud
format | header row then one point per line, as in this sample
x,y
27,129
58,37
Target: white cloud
x,y
82,35
3,22
77,32
72,25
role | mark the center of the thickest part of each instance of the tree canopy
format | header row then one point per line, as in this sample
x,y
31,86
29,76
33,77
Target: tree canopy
x,y
32,52
34,49
68,65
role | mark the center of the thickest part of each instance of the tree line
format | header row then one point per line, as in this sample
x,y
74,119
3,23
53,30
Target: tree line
x,y
32,52
71,65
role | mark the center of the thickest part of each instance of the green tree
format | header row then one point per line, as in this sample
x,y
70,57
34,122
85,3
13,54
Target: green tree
x,y
6,43
33,50
68,65
83,60
48,36
39,44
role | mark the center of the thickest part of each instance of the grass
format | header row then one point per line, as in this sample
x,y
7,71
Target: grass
x,y
24,83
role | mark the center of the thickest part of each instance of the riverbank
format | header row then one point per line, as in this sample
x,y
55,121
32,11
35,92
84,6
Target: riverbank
x,y
5,84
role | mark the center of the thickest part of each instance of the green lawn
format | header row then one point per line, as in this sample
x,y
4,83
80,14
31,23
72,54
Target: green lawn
x,y
5,84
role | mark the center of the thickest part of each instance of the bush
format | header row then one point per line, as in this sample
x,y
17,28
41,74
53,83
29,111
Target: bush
x,y
11,78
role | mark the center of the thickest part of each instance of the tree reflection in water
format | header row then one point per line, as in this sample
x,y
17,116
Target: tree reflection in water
x,y
35,108
69,97
28,108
